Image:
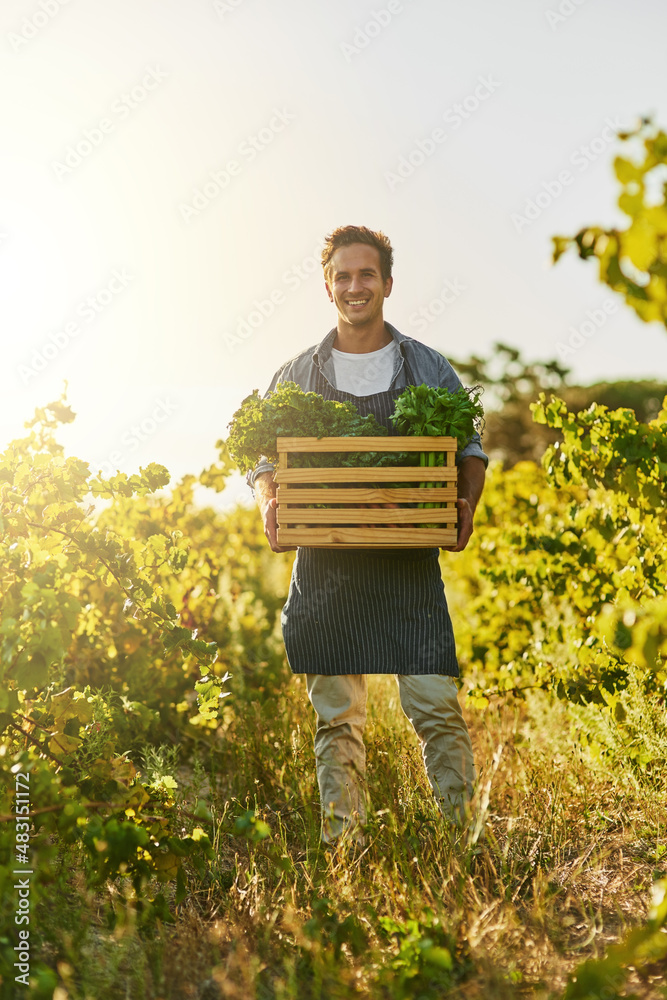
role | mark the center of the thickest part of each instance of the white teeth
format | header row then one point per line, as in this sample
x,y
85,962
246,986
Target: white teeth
x,y
357,302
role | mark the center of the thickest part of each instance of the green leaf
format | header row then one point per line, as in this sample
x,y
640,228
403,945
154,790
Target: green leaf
x,y
32,671
176,637
249,826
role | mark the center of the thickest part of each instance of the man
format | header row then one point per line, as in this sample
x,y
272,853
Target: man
x,y
359,611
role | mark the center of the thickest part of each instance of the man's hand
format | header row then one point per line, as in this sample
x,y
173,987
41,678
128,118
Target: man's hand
x,y
265,493
465,527
270,527
471,484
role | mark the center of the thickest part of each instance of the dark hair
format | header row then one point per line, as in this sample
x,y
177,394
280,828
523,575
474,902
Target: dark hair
x,y
345,236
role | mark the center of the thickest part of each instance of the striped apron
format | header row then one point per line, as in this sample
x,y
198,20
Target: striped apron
x,y
368,611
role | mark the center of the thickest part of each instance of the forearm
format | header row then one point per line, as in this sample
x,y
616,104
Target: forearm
x,y
265,494
265,490
471,480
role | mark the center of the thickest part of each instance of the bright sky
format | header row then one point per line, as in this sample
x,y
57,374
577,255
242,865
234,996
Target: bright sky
x,y
129,270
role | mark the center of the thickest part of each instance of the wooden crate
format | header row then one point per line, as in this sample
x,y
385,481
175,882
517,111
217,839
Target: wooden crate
x,y
368,528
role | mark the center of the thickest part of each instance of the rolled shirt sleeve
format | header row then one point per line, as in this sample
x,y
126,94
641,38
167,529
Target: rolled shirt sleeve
x,y
474,449
450,380
263,466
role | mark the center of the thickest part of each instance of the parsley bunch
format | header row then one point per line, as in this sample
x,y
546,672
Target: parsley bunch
x,y
434,410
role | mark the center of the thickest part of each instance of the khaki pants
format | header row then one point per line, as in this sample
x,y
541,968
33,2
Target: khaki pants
x,y
430,701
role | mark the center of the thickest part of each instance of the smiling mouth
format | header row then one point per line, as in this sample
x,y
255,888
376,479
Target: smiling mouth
x,y
357,302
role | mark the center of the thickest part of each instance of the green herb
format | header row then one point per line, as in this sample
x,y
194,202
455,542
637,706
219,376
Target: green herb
x,y
288,411
433,410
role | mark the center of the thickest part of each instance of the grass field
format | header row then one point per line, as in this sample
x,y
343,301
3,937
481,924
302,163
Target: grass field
x,y
557,864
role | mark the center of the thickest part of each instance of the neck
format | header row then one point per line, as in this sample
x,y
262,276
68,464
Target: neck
x,y
361,339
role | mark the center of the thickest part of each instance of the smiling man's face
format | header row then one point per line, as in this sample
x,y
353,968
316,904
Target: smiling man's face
x,y
355,284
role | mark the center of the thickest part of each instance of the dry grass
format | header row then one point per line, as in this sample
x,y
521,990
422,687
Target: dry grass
x,y
564,867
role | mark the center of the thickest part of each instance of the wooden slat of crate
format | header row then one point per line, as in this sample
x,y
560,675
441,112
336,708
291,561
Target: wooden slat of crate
x,y
291,495
367,516
398,474
368,538
441,444
390,536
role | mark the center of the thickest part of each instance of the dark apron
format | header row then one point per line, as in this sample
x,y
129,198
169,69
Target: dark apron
x,y
368,611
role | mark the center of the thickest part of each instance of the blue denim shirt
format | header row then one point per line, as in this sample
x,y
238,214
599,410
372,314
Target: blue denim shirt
x,y
428,367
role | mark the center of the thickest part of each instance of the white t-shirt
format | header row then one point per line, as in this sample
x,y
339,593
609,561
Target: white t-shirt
x,y
365,374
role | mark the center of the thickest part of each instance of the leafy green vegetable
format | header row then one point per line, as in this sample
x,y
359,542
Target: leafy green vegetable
x,y
288,411
433,410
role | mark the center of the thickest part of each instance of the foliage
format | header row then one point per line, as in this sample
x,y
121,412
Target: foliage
x,y
633,261
644,396
513,384
431,410
508,377
230,881
425,410
568,860
112,627
643,947
424,956
567,577
327,929
581,584
608,449
288,411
